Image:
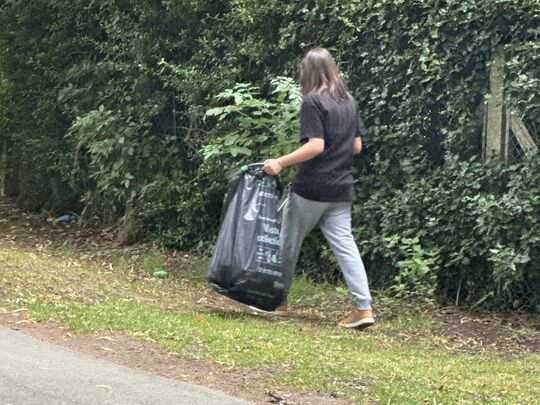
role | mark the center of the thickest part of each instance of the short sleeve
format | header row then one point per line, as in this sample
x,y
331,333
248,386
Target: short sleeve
x,y
311,119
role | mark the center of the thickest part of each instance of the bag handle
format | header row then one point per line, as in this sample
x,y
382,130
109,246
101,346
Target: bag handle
x,y
255,168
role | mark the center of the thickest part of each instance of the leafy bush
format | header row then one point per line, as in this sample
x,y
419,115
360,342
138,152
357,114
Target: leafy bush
x,y
466,211
253,127
417,270
418,69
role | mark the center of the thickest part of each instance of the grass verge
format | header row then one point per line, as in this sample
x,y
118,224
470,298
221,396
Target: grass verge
x,y
305,352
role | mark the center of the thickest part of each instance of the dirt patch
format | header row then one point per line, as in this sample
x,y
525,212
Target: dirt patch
x,y
152,358
507,333
27,231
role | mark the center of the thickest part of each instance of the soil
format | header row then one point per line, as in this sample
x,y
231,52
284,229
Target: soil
x,y
509,334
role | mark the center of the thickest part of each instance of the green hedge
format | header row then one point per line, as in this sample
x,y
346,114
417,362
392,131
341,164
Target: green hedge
x,y
107,100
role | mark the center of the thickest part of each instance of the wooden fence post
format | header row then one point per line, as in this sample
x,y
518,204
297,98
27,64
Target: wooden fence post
x,y
523,136
495,131
3,167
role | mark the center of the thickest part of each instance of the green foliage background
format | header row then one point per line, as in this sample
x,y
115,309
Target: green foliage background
x,y
103,105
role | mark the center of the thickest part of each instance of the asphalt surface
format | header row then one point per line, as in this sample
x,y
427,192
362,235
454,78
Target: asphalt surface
x,y
33,372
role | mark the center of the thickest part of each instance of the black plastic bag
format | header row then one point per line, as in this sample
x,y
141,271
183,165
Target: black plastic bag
x,y
246,263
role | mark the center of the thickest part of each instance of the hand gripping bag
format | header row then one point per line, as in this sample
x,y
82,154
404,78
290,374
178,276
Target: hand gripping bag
x,y
246,263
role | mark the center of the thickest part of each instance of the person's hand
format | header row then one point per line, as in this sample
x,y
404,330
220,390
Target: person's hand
x,y
272,166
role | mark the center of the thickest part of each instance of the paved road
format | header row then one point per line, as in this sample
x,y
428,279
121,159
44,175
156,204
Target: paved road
x,y
37,373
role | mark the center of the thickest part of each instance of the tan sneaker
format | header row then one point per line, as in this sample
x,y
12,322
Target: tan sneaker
x,y
358,318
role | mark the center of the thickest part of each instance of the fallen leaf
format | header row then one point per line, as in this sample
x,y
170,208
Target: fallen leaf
x,y
106,338
202,319
275,398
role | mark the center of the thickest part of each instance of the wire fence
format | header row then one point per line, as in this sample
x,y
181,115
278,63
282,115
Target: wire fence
x,y
516,150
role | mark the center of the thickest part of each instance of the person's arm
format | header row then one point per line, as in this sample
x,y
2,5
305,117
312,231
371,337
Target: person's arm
x,y
361,131
313,147
357,145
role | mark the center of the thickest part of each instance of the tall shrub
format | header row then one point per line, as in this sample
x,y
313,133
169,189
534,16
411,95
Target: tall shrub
x,y
107,101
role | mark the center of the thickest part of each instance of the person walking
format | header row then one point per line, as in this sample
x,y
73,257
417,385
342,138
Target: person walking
x,y
322,191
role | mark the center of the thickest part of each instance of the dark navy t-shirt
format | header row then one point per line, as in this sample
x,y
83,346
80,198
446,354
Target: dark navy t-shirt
x,y
328,176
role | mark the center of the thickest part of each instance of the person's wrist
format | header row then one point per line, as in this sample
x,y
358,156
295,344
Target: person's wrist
x,y
281,163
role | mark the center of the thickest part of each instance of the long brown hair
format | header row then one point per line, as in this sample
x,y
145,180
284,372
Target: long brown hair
x,y
318,72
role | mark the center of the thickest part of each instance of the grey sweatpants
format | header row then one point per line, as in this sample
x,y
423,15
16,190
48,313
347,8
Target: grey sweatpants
x,y
300,216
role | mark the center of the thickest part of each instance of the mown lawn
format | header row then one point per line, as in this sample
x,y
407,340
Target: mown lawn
x,y
399,361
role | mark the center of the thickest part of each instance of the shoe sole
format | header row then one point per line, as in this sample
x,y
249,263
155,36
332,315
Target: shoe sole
x,y
262,311
362,323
